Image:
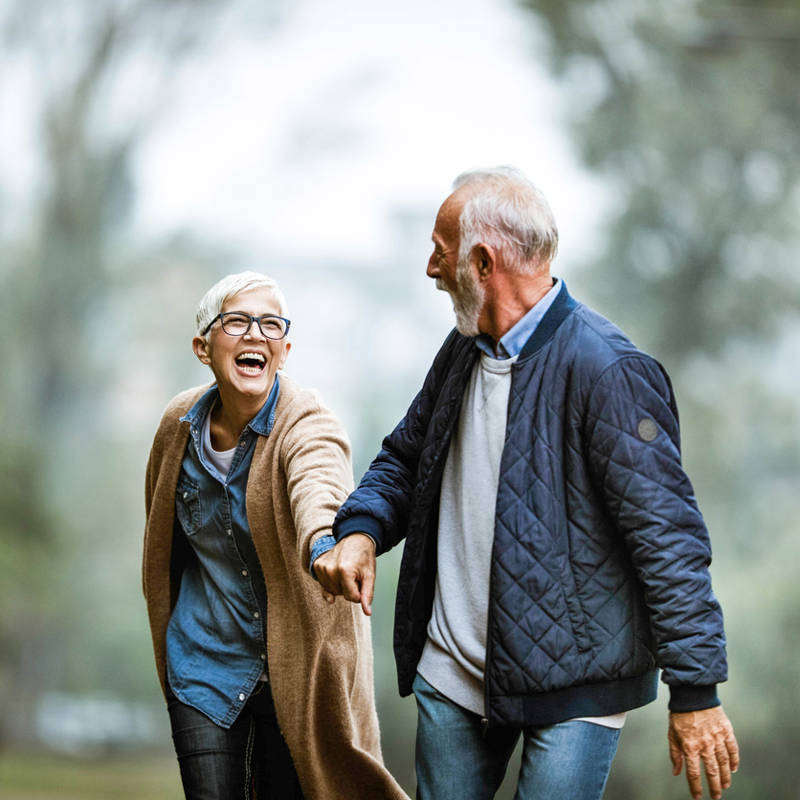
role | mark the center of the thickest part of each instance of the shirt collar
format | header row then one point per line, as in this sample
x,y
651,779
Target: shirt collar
x,y
261,423
513,341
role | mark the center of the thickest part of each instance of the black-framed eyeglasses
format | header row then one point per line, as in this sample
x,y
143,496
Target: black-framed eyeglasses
x,y
237,323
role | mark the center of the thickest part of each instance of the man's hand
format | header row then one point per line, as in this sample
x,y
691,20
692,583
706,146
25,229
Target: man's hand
x,y
705,736
349,570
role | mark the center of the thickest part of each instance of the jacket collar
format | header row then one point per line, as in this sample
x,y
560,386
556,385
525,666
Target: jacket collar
x,y
560,309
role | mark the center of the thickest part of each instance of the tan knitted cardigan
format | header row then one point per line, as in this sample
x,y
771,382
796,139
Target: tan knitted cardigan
x,y
319,656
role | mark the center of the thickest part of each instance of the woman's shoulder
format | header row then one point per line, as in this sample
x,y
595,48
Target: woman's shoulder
x,y
297,399
298,404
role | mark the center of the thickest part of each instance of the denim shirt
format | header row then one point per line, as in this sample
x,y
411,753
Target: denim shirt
x,y
216,637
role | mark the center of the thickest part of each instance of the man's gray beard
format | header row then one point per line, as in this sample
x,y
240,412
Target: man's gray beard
x,y
468,300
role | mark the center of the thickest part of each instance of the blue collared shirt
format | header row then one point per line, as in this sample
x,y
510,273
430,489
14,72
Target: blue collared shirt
x,y
216,638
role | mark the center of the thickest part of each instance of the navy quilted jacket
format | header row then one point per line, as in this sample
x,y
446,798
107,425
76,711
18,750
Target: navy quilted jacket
x,y
600,557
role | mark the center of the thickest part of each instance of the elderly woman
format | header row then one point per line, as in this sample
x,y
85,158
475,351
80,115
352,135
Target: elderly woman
x,y
269,688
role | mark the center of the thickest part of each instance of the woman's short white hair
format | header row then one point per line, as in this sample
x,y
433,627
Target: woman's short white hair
x,y
508,212
230,285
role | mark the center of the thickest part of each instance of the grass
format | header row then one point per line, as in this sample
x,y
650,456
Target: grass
x,y
44,776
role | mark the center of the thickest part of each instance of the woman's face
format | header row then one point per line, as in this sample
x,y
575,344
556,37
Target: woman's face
x,y
244,365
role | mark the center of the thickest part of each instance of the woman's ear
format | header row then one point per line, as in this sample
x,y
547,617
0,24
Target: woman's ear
x,y
287,348
200,347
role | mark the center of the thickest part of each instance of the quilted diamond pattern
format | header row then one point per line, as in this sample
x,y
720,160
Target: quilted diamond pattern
x,y
600,556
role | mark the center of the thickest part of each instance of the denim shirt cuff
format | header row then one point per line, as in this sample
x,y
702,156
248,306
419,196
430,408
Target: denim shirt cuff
x,y
320,546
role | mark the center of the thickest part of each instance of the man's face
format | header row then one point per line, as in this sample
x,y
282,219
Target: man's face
x,y
453,274
246,364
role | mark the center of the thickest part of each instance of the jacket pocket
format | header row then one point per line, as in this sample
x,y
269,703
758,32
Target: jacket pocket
x,y
574,608
187,506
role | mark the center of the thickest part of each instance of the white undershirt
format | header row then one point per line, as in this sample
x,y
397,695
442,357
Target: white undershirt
x,y
220,459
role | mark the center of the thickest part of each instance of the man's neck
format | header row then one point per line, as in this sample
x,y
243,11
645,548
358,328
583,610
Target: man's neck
x,y
510,299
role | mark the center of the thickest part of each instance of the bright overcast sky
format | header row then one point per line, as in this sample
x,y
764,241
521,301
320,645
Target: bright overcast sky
x,y
303,139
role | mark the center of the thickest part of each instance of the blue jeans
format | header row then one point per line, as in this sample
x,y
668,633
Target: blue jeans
x,y
249,759
455,760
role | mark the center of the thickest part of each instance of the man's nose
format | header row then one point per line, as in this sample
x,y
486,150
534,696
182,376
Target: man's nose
x,y
433,270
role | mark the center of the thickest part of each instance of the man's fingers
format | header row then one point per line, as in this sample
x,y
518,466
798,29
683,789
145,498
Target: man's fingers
x,y
713,774
676,756
367,591
724,765
348,569
351,586
693,776
733,750
328,598
324,570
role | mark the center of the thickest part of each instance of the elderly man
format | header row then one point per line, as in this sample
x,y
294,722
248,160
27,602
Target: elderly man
x,y
555,556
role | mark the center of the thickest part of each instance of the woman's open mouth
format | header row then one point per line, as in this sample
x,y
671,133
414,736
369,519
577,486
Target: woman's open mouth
x,y
251,363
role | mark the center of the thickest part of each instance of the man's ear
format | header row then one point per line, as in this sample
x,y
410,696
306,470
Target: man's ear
x,y
482,257
200,347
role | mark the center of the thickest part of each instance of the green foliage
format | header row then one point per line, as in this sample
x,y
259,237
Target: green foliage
x,y
689,113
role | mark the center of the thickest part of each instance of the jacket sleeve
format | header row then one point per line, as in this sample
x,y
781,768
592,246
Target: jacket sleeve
x,y
380,505
633,447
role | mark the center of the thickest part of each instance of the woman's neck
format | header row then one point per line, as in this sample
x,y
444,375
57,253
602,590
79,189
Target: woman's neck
x,y
229,417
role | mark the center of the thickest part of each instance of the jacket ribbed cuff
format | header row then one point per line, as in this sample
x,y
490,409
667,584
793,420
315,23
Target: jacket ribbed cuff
x,y
361,523
692,698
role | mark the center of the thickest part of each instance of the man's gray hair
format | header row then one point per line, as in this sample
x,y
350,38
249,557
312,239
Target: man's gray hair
x,y
230,285
508,212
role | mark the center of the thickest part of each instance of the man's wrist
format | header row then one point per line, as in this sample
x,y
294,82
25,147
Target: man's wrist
x,y
360,523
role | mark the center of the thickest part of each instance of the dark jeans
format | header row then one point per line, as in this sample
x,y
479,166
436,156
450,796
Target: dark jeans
x,y
249,760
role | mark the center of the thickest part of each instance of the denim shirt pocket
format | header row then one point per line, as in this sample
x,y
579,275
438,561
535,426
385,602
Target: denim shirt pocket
x,y
187,506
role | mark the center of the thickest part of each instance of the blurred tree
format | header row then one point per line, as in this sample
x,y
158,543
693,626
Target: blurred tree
x,y
98,74
689,113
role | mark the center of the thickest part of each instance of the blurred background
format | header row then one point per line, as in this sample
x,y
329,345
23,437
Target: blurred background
x,y
149,147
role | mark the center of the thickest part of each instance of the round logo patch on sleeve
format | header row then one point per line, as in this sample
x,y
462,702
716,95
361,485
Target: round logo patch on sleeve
x,y
647,429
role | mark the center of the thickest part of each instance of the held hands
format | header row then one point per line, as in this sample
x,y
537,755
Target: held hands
x,y
349,570
705,736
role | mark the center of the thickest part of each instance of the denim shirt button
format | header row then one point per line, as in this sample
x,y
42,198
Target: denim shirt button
x,y
244,573
256,614
241,697
229,532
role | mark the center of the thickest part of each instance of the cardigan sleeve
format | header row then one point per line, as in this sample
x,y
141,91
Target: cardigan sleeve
x,y
319,474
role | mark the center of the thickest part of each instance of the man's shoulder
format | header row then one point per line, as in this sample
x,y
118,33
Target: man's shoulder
x,y
594,342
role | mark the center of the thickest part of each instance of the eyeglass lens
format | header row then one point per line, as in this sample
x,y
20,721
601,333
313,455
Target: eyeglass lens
x,y
237,324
